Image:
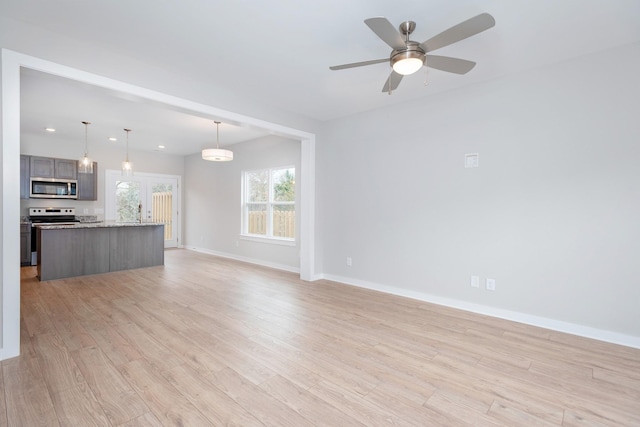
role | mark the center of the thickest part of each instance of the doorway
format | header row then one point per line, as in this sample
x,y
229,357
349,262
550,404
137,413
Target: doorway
x,y
11,62
144,198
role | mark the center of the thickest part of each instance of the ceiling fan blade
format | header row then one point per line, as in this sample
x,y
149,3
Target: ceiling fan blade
x,y
451,65
358,64
465,29
387,32
392,82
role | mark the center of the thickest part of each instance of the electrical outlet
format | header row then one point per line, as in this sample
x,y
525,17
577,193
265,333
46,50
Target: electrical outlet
x,y
349,261
491,284
475,281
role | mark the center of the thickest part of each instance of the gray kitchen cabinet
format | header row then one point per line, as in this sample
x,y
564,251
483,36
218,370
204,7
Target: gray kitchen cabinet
x,y
88,184
42,167
25,244
136,247
66,169
86,252
24,177
48,167
97,249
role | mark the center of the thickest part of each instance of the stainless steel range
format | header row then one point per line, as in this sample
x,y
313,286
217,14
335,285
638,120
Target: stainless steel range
x,y
48,216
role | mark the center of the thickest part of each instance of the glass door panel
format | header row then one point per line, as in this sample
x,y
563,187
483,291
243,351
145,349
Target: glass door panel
x,y
128,201
144,198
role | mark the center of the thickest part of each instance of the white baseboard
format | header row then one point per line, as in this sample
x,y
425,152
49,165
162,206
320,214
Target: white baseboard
x,y
245,259
543,322
4,354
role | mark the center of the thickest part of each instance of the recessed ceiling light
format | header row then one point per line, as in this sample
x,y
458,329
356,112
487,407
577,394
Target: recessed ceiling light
x,y
50,129
112,138
161,147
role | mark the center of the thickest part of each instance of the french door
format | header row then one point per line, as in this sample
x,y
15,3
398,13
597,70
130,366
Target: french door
x,y
144,198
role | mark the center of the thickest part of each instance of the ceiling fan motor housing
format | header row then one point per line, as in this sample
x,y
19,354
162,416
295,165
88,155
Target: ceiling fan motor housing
x,y
412,52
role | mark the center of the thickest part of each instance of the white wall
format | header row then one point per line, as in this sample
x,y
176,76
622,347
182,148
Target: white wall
x,y
3,202
108,157
551,213
212,207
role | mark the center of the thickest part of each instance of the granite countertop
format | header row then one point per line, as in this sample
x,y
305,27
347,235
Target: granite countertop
x,y
97,224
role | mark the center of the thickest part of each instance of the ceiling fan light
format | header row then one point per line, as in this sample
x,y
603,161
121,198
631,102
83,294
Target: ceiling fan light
x,y
408,60
406,64
217,155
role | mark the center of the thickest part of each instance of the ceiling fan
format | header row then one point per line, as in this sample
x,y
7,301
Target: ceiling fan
x,y
408,56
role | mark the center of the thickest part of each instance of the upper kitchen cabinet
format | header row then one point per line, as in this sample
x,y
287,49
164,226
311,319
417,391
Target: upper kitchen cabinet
x,y
88,184
66,169
47,167
24,177
42,167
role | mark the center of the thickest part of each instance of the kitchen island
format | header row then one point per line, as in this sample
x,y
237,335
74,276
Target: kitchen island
x,y
92,248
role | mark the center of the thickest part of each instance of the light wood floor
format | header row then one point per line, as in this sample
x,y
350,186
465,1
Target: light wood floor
x,y
207,341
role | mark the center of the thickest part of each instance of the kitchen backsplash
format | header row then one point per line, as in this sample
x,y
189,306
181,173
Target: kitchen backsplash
x,y
87,218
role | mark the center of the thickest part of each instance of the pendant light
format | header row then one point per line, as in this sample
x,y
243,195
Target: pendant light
x,y
217,154
127,166
85,165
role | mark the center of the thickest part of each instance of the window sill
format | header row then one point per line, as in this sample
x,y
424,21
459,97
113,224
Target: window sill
x,y
271,240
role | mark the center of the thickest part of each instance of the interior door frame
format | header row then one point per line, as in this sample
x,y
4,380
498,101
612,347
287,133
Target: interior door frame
x,y
11,62
111,175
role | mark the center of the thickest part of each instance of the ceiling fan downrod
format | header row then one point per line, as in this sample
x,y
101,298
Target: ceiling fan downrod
x,y
406,28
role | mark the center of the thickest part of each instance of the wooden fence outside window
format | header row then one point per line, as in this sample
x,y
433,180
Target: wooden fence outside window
x,y
284,223
161,211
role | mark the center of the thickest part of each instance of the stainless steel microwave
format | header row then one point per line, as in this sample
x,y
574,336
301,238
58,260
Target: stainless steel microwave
x,y
52,188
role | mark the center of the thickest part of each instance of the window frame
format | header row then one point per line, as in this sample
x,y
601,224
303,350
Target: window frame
x,y
270,203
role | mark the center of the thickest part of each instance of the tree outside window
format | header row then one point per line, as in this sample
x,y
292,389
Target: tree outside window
x,y
127,201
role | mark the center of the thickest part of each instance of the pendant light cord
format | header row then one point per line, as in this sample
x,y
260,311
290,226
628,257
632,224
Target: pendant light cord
x,y
127,130
86,133
217,134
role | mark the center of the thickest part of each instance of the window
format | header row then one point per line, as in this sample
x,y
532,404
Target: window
x,y
269,203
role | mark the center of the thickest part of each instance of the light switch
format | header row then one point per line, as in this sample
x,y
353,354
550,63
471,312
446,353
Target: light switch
x,y
471,160
475,281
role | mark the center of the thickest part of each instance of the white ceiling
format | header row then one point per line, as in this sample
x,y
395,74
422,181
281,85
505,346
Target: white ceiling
x,y
48,101
278,53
